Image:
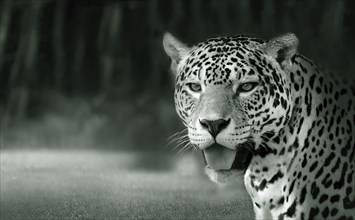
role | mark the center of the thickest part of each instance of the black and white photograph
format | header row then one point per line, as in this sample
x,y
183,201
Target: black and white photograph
x,y
177,109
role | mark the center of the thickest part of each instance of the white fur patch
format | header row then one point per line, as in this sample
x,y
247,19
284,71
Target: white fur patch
x,y
223,176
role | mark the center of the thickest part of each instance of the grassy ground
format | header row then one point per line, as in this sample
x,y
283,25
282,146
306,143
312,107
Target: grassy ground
x,y
52,184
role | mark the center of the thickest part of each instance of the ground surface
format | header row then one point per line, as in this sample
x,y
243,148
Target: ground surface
x,y
47,184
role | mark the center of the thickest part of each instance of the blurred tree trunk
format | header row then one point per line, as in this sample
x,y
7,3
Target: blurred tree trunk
x,y
58,44
108,39
242,16
154,41
177,13
222,21
288,12
197,24
331,29
6,11
23,71
267,17
332,22
75,79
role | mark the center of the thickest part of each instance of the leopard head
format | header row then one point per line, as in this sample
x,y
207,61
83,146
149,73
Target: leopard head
x,y
232,93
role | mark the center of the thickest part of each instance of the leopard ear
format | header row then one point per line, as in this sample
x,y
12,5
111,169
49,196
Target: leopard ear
x,y
282,48
175,49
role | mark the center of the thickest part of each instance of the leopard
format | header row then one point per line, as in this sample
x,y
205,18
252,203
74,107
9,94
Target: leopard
x,y
259,109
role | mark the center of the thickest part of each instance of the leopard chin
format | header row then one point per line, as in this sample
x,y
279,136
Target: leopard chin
x,y
223,176
242,159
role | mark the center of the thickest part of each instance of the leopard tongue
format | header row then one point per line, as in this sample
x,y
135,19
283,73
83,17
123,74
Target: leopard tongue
x,y
219,157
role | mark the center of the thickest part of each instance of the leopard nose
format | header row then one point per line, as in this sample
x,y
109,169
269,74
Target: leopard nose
x,y
214,126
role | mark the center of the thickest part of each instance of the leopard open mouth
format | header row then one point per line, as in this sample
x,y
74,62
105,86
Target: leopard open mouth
x,y
242,158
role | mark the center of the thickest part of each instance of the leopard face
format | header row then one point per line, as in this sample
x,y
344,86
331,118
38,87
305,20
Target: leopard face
x,y
231,93
260,109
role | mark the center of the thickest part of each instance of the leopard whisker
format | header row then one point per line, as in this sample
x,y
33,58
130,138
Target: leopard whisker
x,y
184,148
181,143
177,134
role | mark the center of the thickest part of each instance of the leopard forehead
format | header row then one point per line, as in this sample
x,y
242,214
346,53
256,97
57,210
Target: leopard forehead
x,y
227,62
217,60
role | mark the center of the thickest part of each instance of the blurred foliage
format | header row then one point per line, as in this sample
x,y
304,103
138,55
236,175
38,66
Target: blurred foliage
x,y
95,71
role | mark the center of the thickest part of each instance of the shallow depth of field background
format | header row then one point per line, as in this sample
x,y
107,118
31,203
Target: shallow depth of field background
x,y
87,101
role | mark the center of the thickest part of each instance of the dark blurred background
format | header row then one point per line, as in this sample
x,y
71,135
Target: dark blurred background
x,y
93,74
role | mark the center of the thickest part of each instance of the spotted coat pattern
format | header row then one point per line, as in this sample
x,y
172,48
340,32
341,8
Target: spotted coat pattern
x,y
298,122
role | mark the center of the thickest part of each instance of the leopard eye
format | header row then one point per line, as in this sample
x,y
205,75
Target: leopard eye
x,y
247,87
194,87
